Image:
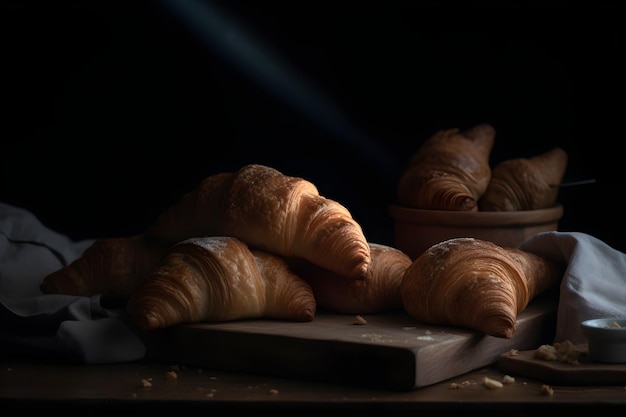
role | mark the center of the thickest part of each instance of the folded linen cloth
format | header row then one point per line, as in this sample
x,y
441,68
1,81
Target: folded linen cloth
x,y
83,329
594,282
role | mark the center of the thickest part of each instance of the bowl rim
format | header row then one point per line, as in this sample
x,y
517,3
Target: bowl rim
x,y
600,324
475,218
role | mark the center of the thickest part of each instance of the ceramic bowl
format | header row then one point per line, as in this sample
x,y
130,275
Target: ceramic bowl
x,y
416,230
606,339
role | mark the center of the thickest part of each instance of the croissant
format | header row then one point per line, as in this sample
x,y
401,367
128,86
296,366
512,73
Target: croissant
x,y
272,212
525,183
113,266
476,284
450,171
219,278
379,292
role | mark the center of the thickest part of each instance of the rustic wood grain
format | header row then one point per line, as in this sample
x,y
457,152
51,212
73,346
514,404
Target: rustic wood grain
x,y
585,372
391,351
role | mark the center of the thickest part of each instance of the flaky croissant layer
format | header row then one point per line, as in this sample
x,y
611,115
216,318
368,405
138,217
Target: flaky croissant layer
x,y
273,212
450,171
476,284
525,183
379,292
112,266
219,278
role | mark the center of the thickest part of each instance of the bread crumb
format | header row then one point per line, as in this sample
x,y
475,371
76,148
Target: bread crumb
x,y
358,319
546,390
545,352
507,379
171,376
561,352
456,385
273,391
492,383
513,352
144,383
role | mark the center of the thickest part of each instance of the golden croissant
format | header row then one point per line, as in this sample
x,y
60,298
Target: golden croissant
x,y
273,212
379,292
476,284
217,279
525,183
113,266
450,171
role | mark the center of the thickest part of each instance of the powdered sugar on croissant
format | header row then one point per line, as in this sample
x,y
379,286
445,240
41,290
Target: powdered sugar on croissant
x,y
273,212
477,284
219,279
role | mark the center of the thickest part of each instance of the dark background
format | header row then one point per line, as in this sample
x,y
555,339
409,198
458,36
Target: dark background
x,y
112,109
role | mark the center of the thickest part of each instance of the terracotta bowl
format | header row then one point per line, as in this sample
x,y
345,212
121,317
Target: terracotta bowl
x,y
416,230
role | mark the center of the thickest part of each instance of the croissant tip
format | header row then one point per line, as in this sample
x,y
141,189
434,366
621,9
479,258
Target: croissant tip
x,y
145,320
509,334
505,333
363,271
309,314
44,287
57,284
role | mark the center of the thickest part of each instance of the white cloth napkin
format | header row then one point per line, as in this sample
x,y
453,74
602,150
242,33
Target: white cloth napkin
x,y
84,329
29,251
594,282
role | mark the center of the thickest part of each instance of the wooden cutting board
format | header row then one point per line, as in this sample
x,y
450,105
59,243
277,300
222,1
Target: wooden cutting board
x,y
586,372
391,351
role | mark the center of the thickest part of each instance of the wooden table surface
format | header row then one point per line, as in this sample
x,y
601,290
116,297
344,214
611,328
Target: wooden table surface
x,y
57,388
